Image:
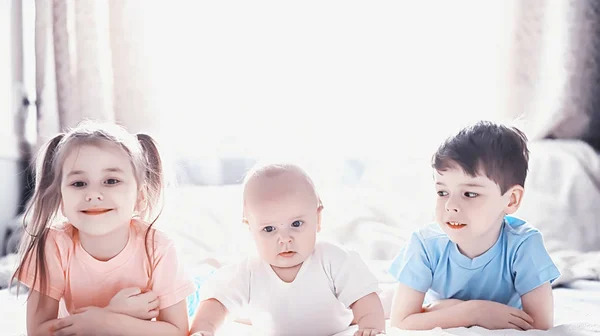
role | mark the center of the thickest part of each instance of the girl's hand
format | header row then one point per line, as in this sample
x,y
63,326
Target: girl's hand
x,y
368,332
203,333
89,321
131,302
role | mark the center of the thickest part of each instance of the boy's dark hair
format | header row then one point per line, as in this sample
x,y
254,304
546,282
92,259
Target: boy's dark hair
x,y
486,148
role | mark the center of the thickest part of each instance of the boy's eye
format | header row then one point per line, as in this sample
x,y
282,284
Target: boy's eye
x,y
112,181
269,228
471,194
442,193
78,184
297,223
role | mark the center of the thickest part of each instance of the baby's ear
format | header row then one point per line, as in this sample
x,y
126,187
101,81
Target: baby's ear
x,y
319,215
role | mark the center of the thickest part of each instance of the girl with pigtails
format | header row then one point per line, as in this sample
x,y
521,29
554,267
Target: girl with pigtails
x,y
90,256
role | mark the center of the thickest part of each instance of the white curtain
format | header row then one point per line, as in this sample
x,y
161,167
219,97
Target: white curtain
x,y
92,63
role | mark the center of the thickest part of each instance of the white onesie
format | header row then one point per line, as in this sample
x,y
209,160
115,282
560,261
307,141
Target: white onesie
x,y
315,303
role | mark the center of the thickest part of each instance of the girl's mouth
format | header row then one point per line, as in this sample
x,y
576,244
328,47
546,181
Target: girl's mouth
x,y
95,212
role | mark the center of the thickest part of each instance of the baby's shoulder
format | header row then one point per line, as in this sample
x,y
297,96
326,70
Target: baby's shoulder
x,y
335,255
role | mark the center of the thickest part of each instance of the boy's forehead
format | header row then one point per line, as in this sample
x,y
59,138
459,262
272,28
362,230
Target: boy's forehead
x,y
457,175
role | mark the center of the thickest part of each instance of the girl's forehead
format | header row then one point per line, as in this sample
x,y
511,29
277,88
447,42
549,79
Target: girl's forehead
x,y
96,157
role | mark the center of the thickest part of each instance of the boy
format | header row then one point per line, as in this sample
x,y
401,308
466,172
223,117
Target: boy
x,y
476,265
296,286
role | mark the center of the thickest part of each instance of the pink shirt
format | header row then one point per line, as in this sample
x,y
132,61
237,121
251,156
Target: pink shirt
x,y
81,280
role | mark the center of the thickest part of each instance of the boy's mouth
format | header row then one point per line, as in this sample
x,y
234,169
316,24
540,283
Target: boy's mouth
x,y
455,225
287,254
94,212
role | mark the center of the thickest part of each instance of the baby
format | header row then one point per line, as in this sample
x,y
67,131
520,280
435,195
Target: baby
x,y
296,285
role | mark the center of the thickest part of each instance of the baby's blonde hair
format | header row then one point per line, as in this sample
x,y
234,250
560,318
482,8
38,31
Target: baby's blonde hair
x,y
269,170
44,207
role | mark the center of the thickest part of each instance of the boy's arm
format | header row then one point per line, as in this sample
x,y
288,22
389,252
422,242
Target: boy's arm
x,y
539,304
209,317
368,313
170,321
407,312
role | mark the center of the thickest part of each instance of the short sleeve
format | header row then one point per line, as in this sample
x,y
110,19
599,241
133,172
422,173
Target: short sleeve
x,y
55,252
532,265
352,278
171,282
412,266
230,285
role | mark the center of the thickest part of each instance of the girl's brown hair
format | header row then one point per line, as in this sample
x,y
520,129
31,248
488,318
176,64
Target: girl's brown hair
x,y
44,207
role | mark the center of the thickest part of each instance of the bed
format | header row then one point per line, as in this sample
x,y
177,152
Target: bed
x,y
375,213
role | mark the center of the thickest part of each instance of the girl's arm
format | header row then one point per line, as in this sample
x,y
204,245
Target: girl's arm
x,y
42,311
170,321
539,305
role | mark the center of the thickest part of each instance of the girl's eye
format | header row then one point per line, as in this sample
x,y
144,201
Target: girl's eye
x,y
78,184
471,194
112,181
442,193
297,223
269,229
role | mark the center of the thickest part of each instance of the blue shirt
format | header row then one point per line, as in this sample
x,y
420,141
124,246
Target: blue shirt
x,y
516,264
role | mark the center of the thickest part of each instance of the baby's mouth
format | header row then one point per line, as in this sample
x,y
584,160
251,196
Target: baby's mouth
x,y
287,254
455,225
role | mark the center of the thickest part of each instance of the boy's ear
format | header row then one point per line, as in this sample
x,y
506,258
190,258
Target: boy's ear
x,y
515,196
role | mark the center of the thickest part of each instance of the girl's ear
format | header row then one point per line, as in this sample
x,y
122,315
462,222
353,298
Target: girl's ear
x,y
142,200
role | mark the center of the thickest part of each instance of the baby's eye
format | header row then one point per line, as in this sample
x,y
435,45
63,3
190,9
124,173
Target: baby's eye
x,y
269,228
297,223
442,193
471,194
78,184
111,181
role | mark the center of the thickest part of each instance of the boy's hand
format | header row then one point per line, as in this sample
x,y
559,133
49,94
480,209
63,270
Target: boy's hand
x,y
368,332
131,302
494,315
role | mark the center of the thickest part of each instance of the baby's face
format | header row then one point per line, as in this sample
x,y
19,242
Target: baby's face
x,y
469,209
284,216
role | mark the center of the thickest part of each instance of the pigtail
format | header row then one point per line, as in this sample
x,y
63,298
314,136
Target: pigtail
x,y
40,213
154,185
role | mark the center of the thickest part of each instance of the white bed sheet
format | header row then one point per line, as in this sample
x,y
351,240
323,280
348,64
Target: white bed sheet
x,y
577,312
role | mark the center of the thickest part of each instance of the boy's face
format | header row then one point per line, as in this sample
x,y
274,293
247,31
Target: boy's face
x,y
471,209
284,216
